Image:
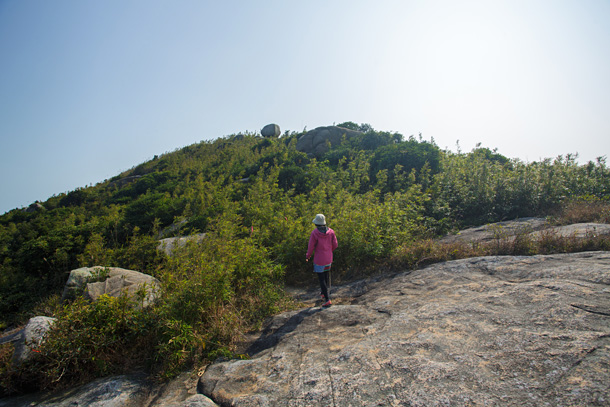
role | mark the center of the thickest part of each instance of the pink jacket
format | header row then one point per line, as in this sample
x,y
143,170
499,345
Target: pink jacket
x,y
323,245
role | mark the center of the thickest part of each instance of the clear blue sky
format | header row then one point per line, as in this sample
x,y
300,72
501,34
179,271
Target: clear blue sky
x,y
91,88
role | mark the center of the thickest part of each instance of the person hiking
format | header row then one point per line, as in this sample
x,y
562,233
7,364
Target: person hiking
x,y
322,243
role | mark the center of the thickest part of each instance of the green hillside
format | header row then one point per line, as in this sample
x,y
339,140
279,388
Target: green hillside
x,y
254,198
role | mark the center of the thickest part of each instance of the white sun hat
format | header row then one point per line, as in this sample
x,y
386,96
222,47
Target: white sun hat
x,y
320,220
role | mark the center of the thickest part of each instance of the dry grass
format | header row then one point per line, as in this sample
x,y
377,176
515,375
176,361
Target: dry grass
x,y
582,211
430,251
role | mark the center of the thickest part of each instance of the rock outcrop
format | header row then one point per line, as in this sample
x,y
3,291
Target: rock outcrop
x,y
35,207
120,391
533,227
577,230
517,331
92,282
316,142
492,231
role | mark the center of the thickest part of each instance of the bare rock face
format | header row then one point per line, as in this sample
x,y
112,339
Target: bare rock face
x,y
316,142
506,330
92,282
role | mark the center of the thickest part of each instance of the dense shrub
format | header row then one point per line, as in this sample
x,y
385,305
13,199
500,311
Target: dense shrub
x,y
143,211
410,155
214,291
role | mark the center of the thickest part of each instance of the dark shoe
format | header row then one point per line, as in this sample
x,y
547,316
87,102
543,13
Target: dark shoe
x,y
327,304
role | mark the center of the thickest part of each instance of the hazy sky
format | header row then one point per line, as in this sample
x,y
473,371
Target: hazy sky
x,y
92,88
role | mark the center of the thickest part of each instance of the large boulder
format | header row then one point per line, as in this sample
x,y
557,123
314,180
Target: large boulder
x,y
93,282
271,130
518,331
318,141
30,337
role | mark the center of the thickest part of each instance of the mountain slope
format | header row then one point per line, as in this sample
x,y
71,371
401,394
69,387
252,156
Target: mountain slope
x,y
385,196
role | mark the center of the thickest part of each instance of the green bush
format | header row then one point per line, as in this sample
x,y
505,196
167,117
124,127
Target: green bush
x,y
150,207
89,340
213,291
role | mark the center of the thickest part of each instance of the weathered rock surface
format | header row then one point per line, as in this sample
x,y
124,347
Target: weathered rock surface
x,y
577,230
120,391
316,142
28,338
170,244
517,331
271,130
180,392
114,281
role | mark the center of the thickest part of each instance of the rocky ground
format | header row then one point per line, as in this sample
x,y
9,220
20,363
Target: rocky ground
x,y
483,331
487,331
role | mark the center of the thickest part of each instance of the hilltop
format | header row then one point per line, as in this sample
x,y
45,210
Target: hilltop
x,y
250,200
